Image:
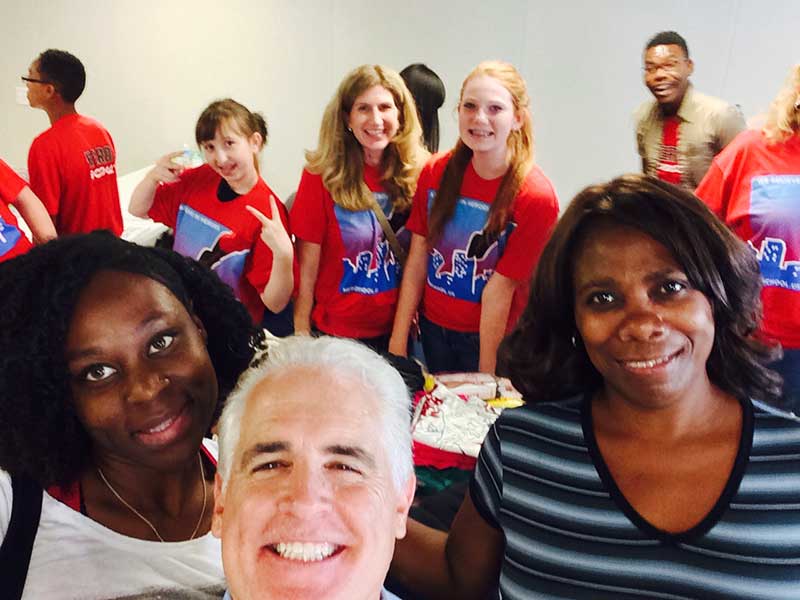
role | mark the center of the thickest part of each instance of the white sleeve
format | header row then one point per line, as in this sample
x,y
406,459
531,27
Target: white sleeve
x,y
212,446
5,503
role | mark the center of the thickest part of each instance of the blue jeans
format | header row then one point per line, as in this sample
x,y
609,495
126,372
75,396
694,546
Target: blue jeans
x,y
447,350
279,324
789,368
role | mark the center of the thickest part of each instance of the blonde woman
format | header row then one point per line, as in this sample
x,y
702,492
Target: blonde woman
x,y
754,186
368,159
481,216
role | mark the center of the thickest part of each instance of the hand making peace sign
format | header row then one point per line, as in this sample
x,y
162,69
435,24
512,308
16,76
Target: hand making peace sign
x,y
273,232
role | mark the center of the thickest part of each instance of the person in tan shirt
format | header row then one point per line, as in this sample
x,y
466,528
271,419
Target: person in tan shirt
x,y
679,132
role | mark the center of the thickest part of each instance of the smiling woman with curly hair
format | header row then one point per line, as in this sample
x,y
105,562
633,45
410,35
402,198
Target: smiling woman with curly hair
x,y
114,362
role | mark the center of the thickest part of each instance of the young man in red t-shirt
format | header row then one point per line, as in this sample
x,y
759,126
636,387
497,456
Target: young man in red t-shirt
x,y
72,165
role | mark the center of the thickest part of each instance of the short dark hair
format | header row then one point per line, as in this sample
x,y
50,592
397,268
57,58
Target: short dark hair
x,y
64,71
668,38
221,112
428,91
539,355
40,434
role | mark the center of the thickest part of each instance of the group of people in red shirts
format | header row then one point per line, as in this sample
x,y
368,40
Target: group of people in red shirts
x,y
389,240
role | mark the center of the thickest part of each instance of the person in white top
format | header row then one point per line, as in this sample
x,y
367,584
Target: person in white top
x,y
114,360
315,476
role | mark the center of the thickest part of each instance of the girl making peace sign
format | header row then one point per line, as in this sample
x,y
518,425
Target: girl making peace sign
x,y
223,213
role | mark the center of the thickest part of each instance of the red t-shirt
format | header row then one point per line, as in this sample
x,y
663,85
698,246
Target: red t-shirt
x,y
72,168
358,279
669,169
222,235
12,240
755,189
459,265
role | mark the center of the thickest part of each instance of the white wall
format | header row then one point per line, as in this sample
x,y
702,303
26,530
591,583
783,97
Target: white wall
x,y
153,65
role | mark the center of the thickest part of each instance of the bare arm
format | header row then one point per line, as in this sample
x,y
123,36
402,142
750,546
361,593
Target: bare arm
x,y
410,294
464,564
278,291
495,306
308,254
35,215
165,171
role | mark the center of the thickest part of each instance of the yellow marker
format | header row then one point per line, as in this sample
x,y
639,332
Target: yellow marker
x,y
505,402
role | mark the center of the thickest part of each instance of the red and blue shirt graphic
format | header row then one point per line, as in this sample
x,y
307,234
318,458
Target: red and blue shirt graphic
x,y
775,223
221,235
203,239
754,187
368,265
358,277
12,241
465,256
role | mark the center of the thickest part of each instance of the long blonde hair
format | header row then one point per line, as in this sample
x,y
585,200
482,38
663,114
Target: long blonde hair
x,y
520,145
339,158
783,117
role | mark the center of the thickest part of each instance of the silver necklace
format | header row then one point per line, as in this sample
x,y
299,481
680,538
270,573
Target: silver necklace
x,y
143,518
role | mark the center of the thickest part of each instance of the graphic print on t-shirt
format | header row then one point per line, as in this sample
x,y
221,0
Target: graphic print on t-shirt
x,y
369,265
465,257
9,236
775,222
199,237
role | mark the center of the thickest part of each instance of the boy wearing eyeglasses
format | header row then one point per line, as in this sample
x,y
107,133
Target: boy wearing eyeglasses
x,y
72,165
681,130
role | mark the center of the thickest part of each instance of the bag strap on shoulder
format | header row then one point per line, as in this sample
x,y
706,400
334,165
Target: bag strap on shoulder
x,y
15,552
397,249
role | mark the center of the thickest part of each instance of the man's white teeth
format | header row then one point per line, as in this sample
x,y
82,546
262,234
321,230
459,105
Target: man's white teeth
x,y
648,364
161,426
305,551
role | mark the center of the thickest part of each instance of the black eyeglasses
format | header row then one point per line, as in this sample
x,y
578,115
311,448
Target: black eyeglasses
x,y
32,80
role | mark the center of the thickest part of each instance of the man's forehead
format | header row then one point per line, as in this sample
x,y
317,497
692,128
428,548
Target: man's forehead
x,y
305,393
663,51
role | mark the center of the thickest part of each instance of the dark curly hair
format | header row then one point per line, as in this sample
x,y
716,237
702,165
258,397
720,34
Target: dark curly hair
x,y
539,355
40,434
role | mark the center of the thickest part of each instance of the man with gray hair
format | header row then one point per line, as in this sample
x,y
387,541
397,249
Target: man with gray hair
x,y
315,474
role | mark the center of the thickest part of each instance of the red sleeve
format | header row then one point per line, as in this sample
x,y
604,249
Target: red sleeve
x,y
418,219
712,190
261,266
44,175
308,216
535,213
168,198
11,184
